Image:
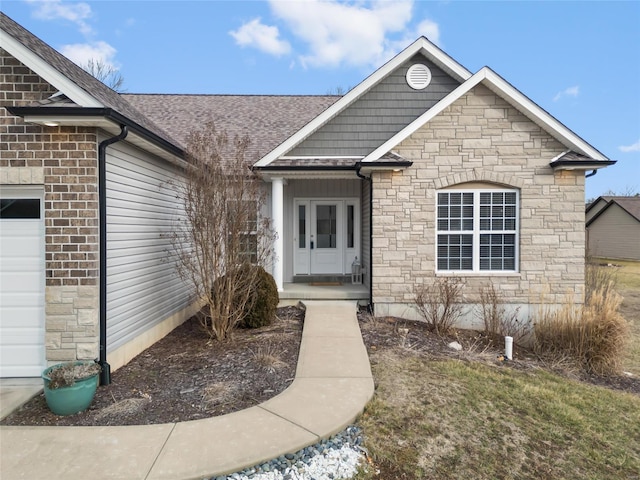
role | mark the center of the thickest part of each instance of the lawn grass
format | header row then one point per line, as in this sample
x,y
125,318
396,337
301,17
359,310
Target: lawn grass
x,y
454,419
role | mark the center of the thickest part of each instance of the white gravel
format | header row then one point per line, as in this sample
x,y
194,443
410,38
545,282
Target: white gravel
x,y
333,464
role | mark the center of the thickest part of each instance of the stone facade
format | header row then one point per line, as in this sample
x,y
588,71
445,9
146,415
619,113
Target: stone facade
x,y
63,160
479,139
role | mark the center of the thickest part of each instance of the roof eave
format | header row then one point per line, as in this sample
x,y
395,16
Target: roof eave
x,y
106,118
514,97
582,165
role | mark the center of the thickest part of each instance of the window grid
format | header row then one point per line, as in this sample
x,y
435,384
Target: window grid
x,y
477,230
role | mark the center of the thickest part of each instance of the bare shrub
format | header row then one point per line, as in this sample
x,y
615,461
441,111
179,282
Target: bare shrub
x,y
221,230
497,319
439,303
593,336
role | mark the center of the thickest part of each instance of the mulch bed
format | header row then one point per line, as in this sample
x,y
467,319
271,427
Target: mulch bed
x,y
188,376
389,333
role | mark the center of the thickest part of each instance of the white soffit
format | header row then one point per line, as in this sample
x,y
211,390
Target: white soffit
x,y
46,71
505,90
421,45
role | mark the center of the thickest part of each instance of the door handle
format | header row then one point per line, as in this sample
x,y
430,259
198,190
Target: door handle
x,y
311,244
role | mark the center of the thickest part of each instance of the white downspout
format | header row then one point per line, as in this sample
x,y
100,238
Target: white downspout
x,y
277,212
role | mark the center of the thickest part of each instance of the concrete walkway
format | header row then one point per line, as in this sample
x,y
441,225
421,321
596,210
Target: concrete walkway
x,y
332,385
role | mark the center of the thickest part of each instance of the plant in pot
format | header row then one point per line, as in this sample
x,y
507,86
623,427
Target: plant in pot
x,y
69,387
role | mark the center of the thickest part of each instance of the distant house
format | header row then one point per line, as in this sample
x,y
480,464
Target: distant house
x,y
424,170
613,228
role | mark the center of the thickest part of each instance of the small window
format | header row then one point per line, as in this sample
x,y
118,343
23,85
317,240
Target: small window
x,y
22,208
350,226
302,226
477,231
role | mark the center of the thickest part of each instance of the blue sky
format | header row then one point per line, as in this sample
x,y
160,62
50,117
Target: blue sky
x,y
580,61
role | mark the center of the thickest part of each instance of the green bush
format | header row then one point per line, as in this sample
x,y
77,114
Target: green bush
x,y
260,310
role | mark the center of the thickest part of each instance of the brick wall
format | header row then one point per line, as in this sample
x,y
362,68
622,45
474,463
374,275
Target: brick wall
x,y
480,138
64,161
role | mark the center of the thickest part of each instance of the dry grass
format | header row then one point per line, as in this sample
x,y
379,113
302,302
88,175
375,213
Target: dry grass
x,y
126,407
593,336
268,357
460,420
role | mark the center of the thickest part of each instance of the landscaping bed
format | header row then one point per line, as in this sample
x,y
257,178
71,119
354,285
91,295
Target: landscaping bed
x,y
187,376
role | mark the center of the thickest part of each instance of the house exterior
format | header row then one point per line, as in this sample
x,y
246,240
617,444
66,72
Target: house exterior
x,y
422,171
613,228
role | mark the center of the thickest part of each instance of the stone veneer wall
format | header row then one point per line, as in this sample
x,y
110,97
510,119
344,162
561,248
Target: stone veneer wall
x,y
479,138
64,161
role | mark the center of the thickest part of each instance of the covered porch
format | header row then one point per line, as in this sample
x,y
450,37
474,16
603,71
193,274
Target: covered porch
x,y
292,293
321,221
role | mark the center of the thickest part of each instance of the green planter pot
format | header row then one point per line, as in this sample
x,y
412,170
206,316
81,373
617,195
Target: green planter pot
x,y
72,399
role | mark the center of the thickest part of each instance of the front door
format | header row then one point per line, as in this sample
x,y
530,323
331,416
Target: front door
x,y
325,236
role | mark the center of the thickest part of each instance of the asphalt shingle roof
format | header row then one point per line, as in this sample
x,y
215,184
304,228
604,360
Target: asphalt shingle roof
x,y
268,120
630,204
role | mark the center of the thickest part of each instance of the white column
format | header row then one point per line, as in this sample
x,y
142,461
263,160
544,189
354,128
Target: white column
x,y
277,213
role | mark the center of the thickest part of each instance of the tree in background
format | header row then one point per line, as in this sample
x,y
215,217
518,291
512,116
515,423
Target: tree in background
x,y
106,73
222,233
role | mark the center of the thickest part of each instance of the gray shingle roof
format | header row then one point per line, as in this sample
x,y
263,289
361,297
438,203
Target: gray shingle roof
x,y
82,79
268,120
630,204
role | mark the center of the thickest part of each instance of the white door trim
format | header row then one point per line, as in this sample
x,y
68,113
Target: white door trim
x,y
348,248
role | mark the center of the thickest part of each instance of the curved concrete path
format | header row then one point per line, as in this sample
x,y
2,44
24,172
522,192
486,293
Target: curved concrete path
x,y
333,384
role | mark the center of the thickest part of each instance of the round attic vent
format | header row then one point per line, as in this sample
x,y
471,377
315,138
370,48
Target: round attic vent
x,y
418,76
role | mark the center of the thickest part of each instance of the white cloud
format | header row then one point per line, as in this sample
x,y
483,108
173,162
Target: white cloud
x,y
77,13
332,33
568,92
634,147
81,53
263,37
344,33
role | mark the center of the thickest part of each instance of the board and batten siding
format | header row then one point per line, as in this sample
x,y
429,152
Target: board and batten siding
x,y
379,114
143,288
614,234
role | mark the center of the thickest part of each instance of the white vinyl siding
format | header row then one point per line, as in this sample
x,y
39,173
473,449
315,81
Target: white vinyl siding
x,y
477,231
143,288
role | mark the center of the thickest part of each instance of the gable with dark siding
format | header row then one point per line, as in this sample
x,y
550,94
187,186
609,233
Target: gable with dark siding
x,y
378,115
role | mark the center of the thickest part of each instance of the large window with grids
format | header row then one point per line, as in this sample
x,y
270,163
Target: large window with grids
x,y
477,230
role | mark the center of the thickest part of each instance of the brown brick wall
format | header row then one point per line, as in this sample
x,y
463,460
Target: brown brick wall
x,y
65,160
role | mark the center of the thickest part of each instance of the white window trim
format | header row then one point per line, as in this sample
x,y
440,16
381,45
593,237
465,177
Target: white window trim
x,y
476,234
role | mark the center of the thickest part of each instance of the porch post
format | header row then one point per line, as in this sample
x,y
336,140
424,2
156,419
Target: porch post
x,y
277,212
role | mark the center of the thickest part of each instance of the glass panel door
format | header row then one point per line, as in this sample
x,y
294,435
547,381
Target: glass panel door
x,y
326,226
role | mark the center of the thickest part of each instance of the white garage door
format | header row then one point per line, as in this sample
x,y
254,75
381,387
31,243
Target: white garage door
x,y
22,280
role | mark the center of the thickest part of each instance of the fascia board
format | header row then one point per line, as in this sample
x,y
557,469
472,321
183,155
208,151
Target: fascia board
x,y
540,116
509,93
46,71
420,45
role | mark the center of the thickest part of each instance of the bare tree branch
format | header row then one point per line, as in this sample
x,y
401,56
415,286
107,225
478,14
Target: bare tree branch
x,y
222,232
107,74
